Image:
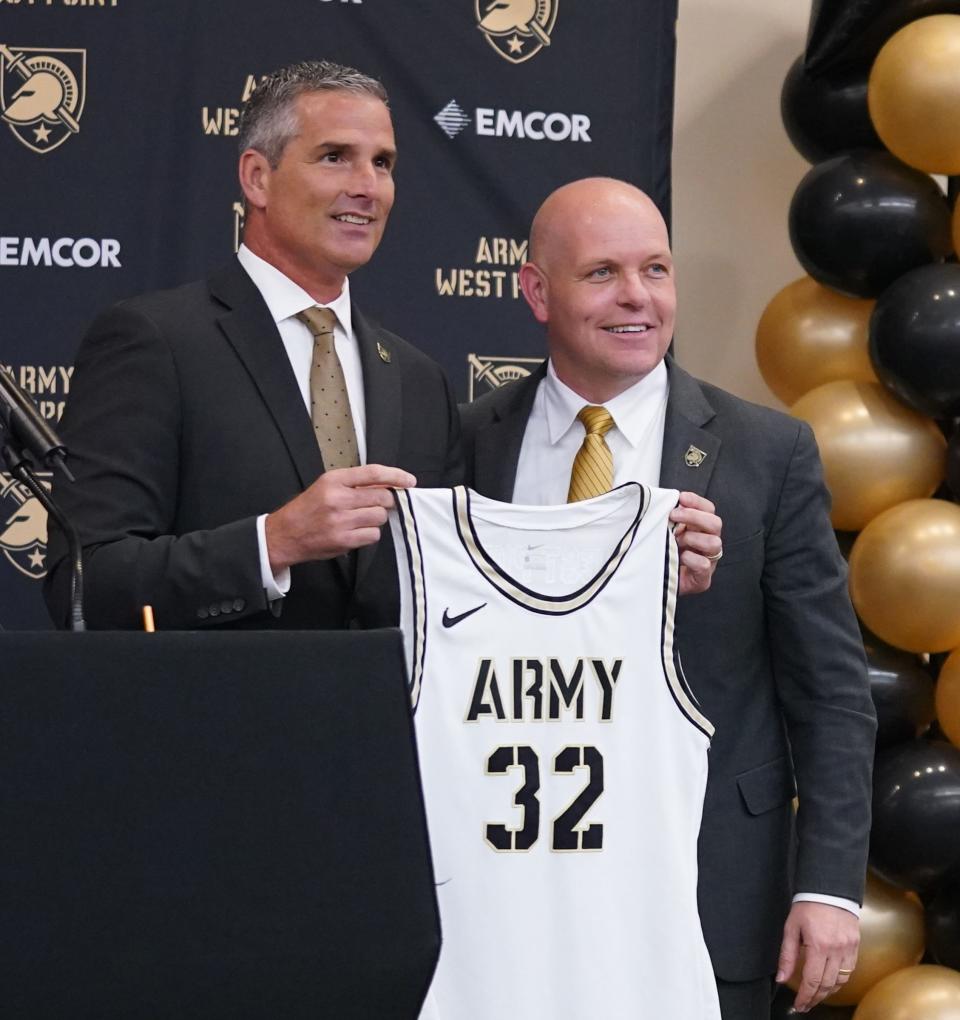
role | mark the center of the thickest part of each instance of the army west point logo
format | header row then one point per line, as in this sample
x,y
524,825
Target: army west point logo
x,y
42,92
517,29
23,526
490,373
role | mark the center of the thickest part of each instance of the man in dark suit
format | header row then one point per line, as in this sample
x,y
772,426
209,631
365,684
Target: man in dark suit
x,y
772,650
199,420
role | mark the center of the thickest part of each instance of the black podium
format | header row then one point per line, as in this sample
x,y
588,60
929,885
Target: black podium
x,y
208,825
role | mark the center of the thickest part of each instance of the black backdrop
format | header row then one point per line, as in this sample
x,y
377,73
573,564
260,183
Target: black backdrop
x,y
140,190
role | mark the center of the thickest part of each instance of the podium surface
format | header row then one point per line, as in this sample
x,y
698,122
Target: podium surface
x,y
211,825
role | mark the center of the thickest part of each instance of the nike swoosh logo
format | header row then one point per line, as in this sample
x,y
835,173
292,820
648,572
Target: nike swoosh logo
x,y
452,621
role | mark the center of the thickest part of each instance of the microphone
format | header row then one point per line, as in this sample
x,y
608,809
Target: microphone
x,y
27,427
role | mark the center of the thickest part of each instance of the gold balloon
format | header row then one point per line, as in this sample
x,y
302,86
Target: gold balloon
x,y
809,335
914,94
948,698
917,993
891,938
876,452
905,575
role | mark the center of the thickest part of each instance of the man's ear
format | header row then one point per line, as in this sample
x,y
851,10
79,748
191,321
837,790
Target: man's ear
x,y
533,283
255,175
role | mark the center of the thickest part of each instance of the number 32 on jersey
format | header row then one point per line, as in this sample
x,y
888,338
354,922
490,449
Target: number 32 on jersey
x,y
564,832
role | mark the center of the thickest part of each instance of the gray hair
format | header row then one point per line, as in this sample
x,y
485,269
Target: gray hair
x,y
269,120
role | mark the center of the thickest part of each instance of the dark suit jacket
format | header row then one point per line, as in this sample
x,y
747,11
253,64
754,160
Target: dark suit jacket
x,y
184,423
772,651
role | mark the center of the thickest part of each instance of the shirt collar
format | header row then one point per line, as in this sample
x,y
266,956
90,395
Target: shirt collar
x,y
284,298
632,410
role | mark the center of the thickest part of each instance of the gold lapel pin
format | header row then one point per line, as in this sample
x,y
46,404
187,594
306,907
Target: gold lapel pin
x,y
383,352
694,456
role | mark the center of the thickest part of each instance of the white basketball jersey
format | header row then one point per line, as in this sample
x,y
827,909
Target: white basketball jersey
x,y
563,756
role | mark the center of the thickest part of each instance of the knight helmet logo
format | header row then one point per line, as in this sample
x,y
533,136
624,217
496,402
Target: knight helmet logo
x,y
23,538
490,372
517,29
42,92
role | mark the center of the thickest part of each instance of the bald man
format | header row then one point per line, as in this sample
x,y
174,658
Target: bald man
x,y
772,650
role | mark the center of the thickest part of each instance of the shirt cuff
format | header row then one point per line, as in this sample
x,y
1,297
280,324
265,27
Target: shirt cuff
x,y
275,587
833,901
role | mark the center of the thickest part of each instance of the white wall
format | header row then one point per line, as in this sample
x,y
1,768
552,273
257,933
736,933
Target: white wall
x,y
734,173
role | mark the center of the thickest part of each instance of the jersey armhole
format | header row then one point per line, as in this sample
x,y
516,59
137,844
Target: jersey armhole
x,y
413,596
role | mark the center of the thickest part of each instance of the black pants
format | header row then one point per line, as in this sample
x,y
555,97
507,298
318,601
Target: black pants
x,y
745,1000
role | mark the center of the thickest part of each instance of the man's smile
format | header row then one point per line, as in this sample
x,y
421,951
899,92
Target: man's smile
x,y
356,218
637,327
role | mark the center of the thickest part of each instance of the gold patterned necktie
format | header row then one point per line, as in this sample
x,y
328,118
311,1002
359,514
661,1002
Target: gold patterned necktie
x,y
329,402
592,473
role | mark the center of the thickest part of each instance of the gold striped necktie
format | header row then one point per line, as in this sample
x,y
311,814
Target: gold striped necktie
x,y
592,473
329,402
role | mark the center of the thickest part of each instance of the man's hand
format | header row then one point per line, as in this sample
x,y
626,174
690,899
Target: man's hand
x,y
342,511
698,538
830,937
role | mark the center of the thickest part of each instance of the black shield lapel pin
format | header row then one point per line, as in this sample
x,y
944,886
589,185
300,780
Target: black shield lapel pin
x,y
694,456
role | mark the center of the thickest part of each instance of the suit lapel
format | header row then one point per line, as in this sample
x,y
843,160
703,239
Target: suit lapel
x,y
381,390
383,399
251,331
690,452
497,447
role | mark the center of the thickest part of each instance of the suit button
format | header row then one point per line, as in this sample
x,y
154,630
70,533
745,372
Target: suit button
x,y
226,606
214,609
239,605
202,613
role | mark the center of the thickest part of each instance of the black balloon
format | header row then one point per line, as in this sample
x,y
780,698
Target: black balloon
x,y
902,692
860,220
784,1000
845,540
915,339
942,919
847,34
915,839
934,663
824,117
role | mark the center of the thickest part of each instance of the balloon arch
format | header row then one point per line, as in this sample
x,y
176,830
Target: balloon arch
x,y
866,348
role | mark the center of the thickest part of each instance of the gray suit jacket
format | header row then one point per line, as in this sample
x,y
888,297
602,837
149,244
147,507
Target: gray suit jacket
x,y
772,652
184,423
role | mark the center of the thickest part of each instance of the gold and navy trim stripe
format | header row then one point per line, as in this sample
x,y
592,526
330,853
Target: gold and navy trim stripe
x,y
672,670
418,589
509,587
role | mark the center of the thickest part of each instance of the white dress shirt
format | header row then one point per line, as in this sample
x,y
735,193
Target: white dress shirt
x,y
285,300
553,436
551,441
